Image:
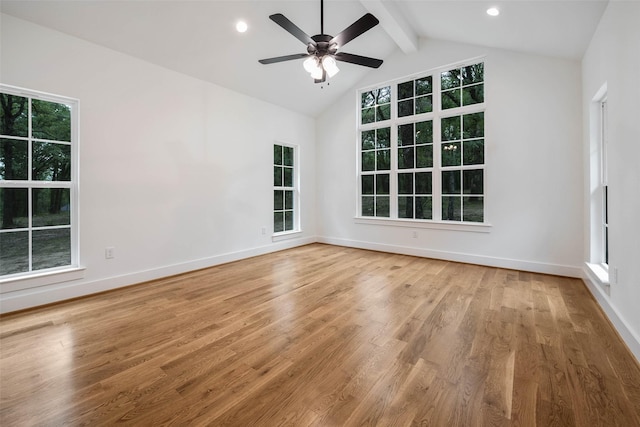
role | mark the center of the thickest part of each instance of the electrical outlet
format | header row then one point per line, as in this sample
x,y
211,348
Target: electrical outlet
x,y
415,234
110,252
613,279
264,230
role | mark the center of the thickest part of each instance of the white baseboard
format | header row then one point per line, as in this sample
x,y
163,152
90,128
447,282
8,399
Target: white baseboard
x,y
42,295
619,323
512,264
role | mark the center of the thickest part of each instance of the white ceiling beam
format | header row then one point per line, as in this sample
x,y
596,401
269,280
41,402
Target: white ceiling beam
x,y
394,24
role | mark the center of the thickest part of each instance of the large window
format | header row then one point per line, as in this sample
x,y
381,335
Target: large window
x,y
285,191
38,178
421,149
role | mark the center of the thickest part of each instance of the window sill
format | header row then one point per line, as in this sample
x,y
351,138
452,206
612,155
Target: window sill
x,y
286,235
36,280
474,227
599,272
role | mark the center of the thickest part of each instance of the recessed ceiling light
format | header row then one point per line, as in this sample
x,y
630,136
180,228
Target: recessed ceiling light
x,y
493,11
241,26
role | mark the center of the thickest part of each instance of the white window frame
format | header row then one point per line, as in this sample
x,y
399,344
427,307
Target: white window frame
x,y
282,235
598,264
435,116
73,271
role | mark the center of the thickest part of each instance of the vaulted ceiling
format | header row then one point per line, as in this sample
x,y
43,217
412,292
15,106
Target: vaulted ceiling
x,y
198,38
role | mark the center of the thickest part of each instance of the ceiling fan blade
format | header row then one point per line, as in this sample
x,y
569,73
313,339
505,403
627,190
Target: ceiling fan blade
x,y
283,58
292,28
362,25
358,60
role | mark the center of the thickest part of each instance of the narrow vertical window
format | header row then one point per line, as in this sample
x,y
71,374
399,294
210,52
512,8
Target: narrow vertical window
x,y
38,182
285,192
604,183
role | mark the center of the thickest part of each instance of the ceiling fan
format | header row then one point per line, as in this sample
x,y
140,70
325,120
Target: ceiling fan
x,y
322,49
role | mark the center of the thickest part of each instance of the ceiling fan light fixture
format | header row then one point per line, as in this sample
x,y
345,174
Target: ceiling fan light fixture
x,y
330,66
317,73
311,64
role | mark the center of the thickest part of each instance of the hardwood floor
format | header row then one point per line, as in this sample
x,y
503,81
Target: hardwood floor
x,y
323,336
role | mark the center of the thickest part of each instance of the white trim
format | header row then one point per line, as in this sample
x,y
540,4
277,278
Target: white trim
x,y
40,278
478,227
631,339
511,264
28,298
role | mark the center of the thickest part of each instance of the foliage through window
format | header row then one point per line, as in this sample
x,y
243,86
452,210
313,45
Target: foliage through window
x,y
408,171
37,185
284,188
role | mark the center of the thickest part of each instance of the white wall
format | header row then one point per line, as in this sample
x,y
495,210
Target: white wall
x,y
533,177
613,58
175,173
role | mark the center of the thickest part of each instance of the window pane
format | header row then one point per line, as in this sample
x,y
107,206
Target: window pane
x,y
13,159
424,86
451,182
451,154
424,132
14,252
405,158
424,156
367,205
382,206
383,112
51,206
368,139
473,209
424,104
277,176
278,222
14,208
384,95
405,183
451,99
423,183
368,115
405,207
383,160
51,248
451,128
277,154
278,200
288,220
405,134
287,156
473,125
368,99
288,199
472,181
450,79
451,208
368,160
51,162
424,209
382,184
473,94
367,184
473,74
288,177
383,138
14,115
473,152
405,108
50,120
405,90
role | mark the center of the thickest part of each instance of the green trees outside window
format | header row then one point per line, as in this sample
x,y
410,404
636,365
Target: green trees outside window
x,y
35,184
